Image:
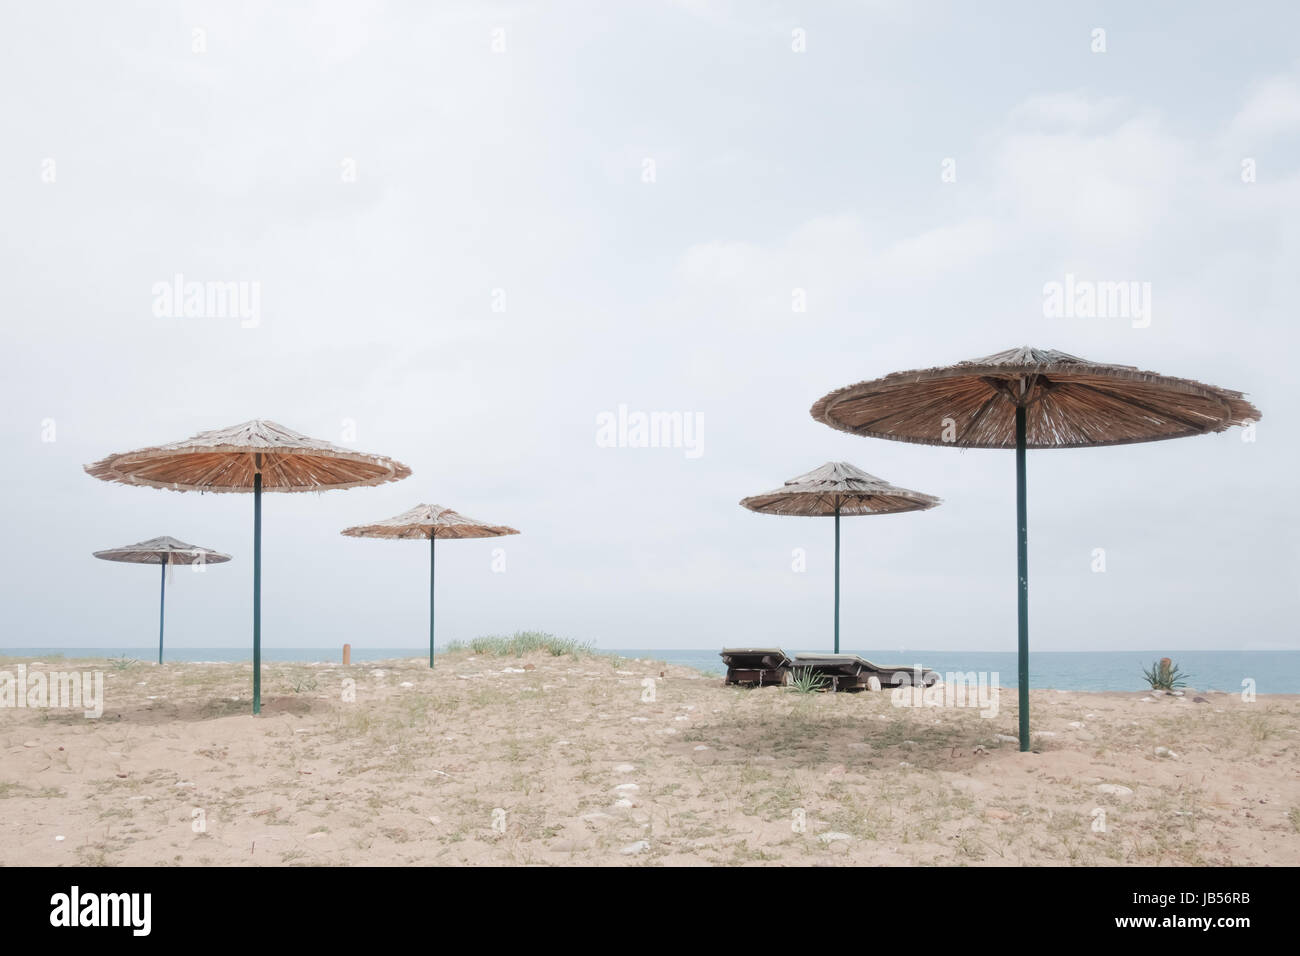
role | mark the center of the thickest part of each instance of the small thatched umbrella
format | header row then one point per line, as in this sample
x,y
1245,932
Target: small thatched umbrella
x,y
1031,398
256,456
838,488
432,522
164,552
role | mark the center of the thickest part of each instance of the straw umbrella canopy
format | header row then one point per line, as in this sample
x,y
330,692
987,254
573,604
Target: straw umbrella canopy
x,y
255,456
432,522
838,488
164,552
1031,398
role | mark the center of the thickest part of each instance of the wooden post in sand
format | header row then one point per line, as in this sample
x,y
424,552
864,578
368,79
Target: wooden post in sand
x,y
347,655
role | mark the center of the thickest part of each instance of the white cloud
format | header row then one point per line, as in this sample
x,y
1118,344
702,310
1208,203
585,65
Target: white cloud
x,y
1069,111
1272,108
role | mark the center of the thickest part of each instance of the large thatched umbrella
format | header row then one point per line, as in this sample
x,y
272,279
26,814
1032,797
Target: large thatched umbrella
x,y
164,552
432,522
256,456
1031,398
838,488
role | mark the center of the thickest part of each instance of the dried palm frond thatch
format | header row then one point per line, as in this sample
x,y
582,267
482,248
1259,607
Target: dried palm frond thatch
x,y
429,521
158,550
1069,402
838,488
226,459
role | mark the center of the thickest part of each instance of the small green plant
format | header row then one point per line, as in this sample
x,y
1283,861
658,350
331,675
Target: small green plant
x,y
122,663
300,684
805,680
1165,675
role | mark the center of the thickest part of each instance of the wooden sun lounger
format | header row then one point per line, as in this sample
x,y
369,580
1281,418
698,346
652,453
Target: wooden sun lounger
x,y
763,666
755,665
851,672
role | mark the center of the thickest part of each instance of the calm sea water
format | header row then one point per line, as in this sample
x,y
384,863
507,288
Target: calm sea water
x,y
1274,672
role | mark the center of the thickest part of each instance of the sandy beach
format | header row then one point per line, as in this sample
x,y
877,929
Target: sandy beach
x,y
594,759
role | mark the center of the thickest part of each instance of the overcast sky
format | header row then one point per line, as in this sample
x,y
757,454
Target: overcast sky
x,y
474,228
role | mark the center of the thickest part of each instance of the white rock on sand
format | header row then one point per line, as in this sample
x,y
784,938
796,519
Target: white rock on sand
x,y
640,846
834,836
1114,789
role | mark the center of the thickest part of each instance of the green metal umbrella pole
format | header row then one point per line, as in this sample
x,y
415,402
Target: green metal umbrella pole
x,y
1031,398
838,488
162,606
164,552
432,618
1022,564
432,522
257,456
837,579
257,588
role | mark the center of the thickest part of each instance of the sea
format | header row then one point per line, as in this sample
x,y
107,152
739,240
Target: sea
x,y
1264,672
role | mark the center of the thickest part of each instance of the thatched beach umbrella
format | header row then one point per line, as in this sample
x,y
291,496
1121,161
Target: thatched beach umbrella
x,y
164,552
432,522
1031,398
256,456
838,488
